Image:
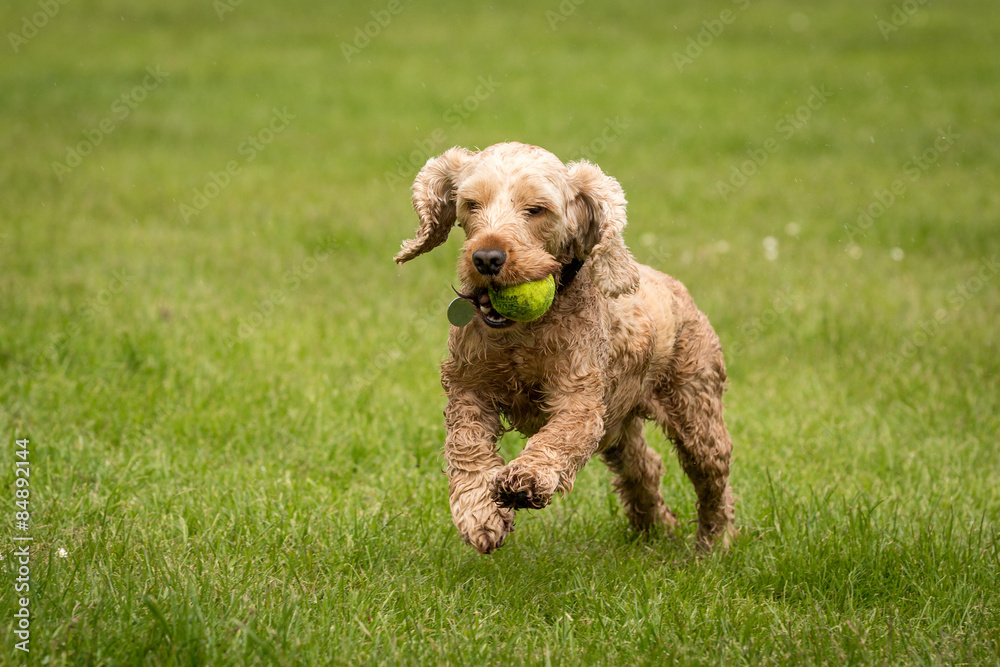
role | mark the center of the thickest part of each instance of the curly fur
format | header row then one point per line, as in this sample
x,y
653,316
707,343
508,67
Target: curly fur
x,y
621,344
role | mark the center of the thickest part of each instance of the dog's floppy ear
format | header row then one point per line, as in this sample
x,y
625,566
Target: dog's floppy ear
x,y
434,202
599,213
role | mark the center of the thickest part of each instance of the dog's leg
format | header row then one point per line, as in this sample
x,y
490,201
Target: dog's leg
x,y
472,462
688,405
638,471
704,452
552,457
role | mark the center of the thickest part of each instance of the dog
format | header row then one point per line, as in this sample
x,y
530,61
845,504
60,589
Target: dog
x,y
620,344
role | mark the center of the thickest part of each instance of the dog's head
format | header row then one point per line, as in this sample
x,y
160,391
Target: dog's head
x,y
526,215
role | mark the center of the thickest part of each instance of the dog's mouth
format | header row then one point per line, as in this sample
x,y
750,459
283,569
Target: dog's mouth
x,y
480,299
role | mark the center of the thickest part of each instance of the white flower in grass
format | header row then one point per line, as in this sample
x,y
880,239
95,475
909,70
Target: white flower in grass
x,y
855,251
62,553
770,248
897,254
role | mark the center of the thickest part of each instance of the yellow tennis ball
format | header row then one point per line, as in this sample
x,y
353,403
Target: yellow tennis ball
x,y
524,302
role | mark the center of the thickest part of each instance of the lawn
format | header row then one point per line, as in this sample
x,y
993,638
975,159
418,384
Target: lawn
x,y
230,393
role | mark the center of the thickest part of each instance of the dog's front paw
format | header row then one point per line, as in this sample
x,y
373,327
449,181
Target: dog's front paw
x,y
519,487
482,524
487,536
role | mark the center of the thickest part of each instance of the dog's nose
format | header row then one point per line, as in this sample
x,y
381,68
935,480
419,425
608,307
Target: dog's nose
x,y
489,262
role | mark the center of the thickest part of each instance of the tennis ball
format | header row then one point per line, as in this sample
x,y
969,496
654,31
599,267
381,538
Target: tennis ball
x,y
524,302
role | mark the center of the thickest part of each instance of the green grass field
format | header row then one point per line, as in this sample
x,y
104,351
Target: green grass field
x,y
231,392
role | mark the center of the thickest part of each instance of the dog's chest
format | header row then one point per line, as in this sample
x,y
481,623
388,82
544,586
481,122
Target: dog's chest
x,y
521,369
518,376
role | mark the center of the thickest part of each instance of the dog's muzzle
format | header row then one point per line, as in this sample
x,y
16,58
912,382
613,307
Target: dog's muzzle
x,y
480,300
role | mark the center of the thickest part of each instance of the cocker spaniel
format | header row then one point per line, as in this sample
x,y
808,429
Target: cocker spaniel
x,y
620,344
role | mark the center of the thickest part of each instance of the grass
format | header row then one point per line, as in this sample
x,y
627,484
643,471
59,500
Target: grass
x,y
235,418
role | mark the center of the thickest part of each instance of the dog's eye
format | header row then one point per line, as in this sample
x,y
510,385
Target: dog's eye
x,y
535,210
472,206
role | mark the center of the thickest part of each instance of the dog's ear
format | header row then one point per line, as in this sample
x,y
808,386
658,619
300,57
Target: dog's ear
x,y
598,210
434,202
